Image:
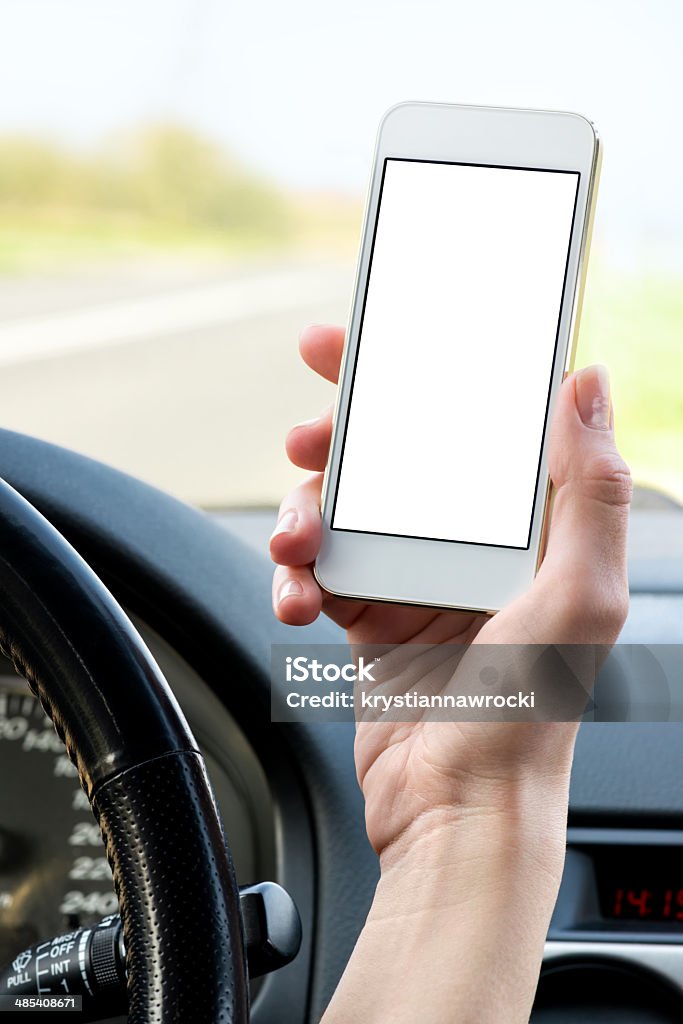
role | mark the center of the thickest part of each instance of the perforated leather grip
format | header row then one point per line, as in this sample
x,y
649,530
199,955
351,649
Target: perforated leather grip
x,y
161,835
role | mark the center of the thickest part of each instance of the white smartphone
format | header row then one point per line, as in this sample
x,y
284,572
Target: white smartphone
x,y
463,324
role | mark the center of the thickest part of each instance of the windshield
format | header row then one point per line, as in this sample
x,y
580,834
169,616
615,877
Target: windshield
x,y
181,189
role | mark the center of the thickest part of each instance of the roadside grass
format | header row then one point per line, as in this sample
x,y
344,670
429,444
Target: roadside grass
x,y
158,190
634,325
65,240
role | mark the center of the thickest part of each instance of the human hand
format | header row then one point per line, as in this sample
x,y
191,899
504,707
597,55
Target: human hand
x,y
468,818
580,596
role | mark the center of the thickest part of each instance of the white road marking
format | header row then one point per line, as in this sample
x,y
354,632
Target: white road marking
x,y
115,323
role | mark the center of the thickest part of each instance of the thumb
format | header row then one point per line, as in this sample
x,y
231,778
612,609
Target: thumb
x,y
583,583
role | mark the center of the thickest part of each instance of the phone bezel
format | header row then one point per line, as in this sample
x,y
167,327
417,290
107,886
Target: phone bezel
x,y
451,574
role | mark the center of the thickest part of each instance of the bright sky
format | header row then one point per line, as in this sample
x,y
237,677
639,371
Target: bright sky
x,y
296,87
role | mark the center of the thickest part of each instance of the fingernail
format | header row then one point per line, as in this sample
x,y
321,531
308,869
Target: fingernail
x,y
306,423
593,397
290,588
286,523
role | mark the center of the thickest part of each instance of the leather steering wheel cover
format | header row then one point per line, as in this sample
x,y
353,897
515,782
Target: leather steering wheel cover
x,y
138,763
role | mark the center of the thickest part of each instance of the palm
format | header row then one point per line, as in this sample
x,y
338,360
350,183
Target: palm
x,y
405,768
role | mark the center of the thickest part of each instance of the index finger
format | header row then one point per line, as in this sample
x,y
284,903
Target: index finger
x,y
321,347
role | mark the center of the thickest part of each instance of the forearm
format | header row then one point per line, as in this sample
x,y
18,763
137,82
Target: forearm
x,y
457,926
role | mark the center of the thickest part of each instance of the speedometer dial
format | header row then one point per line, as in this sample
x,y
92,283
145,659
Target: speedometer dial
x,y
54,875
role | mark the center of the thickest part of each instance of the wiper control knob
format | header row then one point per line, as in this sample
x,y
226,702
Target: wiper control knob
x,y
91,962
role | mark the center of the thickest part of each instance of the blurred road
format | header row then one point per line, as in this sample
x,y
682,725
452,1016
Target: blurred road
x,y
185,375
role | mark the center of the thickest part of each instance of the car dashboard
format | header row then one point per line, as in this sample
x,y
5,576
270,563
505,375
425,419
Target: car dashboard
x,y
287,792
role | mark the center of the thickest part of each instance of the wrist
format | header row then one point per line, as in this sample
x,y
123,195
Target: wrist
x,y
525,811
520,779
449,854
461,898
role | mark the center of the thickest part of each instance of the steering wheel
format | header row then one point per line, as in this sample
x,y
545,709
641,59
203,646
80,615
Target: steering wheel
x,y
140,767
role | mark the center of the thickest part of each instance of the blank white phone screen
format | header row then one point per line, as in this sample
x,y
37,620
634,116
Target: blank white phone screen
x,y
451,383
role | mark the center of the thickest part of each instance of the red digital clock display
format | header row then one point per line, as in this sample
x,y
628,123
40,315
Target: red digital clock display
x,y
647,904
641,884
